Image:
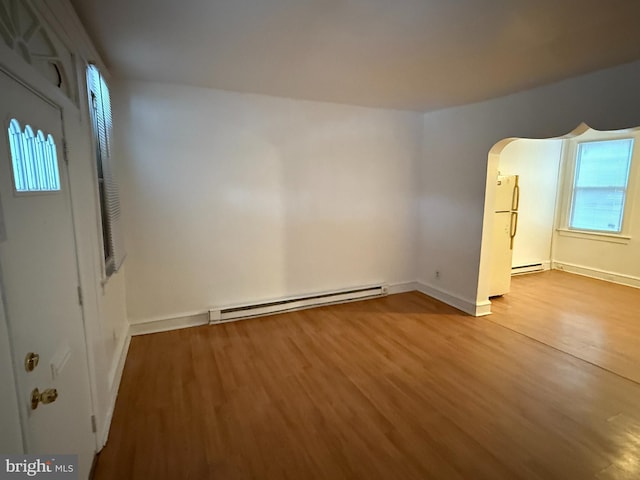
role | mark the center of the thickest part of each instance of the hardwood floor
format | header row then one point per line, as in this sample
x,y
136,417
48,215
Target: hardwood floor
x,y
402,387
594,320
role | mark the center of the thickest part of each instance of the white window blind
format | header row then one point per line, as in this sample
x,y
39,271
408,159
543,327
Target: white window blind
x,y
600,185
100,104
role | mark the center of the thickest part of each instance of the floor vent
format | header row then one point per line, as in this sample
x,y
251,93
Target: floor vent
x,y
534,267
240,312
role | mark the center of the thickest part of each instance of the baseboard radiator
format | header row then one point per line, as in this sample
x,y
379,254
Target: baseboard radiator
x,y
269,307
534,267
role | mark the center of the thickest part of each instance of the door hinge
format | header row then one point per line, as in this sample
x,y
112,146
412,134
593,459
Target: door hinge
x,y
65,151
94,427
80,298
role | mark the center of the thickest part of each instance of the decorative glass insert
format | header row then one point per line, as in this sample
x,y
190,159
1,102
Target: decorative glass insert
x,y
24,31
34,160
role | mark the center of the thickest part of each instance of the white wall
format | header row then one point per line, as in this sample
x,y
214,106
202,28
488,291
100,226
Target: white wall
x,y
455,172
601,256
234,198
537,163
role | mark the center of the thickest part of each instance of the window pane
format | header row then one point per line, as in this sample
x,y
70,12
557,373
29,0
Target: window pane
x,y
100,105
34,160
599,190
598,209
604,164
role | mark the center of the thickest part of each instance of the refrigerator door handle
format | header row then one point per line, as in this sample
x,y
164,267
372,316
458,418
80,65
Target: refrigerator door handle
x,y
513,228
515,200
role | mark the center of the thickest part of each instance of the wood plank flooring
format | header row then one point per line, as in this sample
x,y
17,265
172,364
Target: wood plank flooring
x,y
402,387
594,320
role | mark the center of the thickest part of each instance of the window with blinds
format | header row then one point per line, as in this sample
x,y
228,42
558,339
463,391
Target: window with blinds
x,y
600,185
100,106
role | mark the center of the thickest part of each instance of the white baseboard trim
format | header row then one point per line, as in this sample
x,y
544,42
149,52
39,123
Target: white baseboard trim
x,y
470,307
171,323
115,372
628,280
403,287
483,308
198,318
115,376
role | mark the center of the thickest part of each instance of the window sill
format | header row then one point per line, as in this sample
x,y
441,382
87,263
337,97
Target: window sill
x,y
597,236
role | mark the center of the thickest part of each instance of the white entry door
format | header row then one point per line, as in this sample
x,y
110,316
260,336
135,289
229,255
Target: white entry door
x,y
39,274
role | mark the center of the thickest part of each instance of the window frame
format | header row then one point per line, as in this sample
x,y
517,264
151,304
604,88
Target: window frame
x,y
109,229
570,159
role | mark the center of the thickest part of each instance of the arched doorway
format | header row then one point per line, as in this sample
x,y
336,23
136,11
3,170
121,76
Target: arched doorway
x,y
574,247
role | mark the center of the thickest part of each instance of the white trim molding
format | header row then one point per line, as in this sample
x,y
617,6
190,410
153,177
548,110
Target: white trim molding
x,y
198,318
115,377
165,324
475,309
597,236
483,308
622,279
402,287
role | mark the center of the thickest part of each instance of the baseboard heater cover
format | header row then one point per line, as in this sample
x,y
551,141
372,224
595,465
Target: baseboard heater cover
x,y
535,267
269,307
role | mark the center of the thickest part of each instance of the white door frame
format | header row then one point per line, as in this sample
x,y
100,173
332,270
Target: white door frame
x,y
5,328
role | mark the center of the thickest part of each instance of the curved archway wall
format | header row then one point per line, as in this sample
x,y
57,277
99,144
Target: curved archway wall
x,y
456,169
537,162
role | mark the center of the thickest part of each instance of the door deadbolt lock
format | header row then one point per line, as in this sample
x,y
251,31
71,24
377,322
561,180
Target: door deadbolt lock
x,y
48,396
31,361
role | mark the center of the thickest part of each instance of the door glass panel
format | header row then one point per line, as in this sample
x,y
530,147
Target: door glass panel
x,y
34,160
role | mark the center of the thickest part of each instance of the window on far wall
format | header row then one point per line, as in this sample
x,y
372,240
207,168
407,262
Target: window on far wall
x,y
600,185
100,106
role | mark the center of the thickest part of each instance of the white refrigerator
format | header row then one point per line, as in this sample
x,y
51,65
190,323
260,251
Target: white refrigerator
x,y
505,227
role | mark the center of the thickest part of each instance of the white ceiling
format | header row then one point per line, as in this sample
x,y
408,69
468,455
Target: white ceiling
x,y
405,54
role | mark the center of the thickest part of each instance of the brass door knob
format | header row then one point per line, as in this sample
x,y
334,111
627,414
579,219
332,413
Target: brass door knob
x,y
48,396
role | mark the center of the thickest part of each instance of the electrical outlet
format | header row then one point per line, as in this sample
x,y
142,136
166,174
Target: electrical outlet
x,y
437,274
